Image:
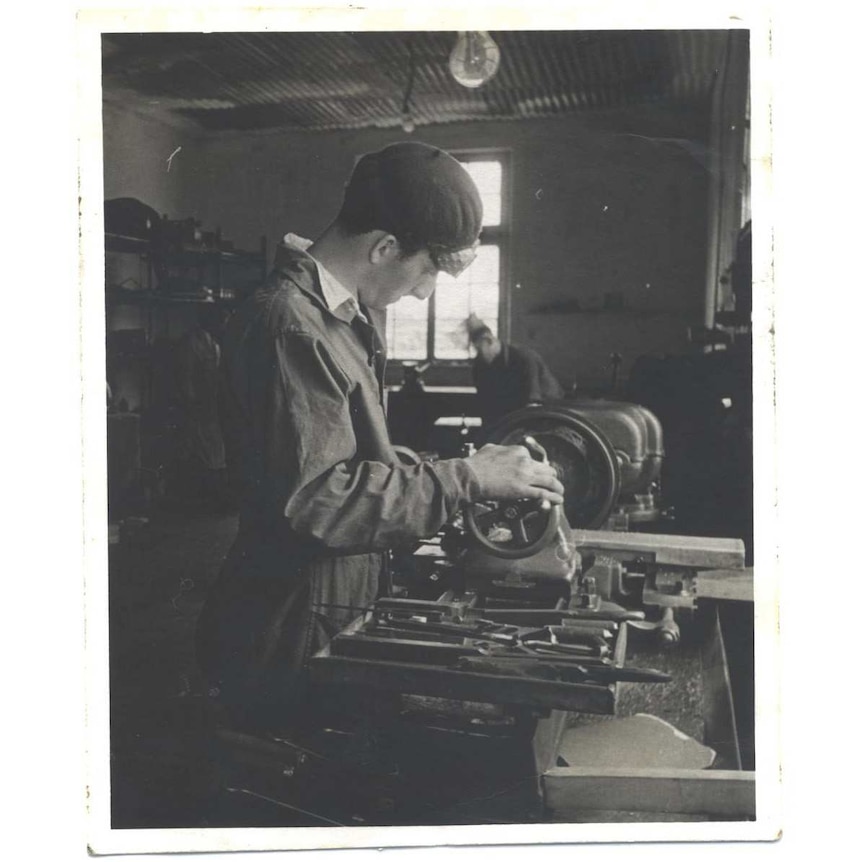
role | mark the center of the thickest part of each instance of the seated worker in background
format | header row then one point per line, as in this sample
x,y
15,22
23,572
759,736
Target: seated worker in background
x,y
323,494
507,377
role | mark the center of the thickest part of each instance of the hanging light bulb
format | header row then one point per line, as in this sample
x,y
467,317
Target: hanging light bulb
x,y
407,123
474,59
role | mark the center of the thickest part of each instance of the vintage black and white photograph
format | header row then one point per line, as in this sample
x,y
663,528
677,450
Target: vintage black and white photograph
x,y
429,500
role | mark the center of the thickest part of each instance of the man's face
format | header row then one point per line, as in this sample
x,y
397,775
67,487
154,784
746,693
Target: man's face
x,y
413,275
487,348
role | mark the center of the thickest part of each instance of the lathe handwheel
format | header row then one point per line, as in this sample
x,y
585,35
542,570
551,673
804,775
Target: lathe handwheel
x,y
527,526
407,456
582,455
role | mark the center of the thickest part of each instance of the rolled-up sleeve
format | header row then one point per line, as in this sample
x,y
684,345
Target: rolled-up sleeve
x,y
324,489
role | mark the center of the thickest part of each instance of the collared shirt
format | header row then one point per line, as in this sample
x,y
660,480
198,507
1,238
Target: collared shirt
x,y
334,292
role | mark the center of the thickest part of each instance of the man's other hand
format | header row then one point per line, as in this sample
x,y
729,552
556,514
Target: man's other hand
x,y
511,473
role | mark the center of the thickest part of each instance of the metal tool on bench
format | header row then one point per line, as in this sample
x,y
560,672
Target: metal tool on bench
x,y
543,644
457,639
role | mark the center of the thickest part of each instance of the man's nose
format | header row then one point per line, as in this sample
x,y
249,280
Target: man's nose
x,y
425,288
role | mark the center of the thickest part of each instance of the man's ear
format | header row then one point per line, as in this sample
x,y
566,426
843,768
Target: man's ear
x,y
386,247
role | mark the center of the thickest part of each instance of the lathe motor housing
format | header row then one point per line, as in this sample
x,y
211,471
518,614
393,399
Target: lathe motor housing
x,y
608,455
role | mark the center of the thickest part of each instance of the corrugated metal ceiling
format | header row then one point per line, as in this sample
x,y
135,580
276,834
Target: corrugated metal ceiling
x,y
338,80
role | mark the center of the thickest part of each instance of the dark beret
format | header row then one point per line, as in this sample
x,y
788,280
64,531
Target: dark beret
x,y
417,192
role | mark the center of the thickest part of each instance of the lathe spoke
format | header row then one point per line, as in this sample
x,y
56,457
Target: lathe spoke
x,y
489,518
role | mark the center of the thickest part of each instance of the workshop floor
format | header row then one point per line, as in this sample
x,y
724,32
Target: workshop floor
x,y
161,773
159,575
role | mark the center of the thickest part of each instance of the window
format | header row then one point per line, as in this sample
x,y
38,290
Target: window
x,y
436,329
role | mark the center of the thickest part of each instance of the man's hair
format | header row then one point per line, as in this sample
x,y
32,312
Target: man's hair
x,y
480,333
418,193
354,224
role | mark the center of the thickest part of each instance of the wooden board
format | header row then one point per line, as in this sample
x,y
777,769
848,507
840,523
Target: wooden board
x,y
640,741
716,793
546,741
719,716
734,585
697,552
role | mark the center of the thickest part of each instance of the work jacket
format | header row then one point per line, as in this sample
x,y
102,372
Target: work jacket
x,y
323,494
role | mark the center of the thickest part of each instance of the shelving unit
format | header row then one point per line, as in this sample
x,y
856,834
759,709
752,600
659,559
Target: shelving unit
x,y
169,277
154,294
207,269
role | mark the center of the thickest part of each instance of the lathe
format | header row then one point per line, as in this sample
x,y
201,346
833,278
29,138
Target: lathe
x,y
450,696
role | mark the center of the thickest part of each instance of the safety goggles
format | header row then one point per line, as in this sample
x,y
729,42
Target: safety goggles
x,y
454,262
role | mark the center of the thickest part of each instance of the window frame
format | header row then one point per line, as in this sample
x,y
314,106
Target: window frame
x,y
498,235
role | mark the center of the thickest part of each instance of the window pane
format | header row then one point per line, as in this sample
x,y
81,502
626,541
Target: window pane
x,y
475,291
407,329
488,177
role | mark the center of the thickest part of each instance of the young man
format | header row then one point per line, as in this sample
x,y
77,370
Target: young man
x,y
508,377
323,494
